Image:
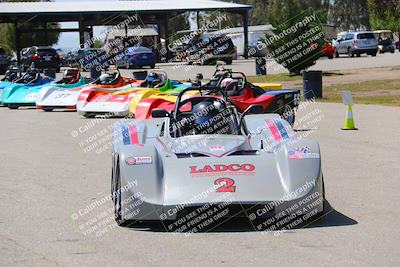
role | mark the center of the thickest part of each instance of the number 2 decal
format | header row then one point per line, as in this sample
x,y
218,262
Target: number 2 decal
x,y
225,185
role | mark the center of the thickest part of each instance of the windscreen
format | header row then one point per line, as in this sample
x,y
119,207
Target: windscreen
x,y
366,36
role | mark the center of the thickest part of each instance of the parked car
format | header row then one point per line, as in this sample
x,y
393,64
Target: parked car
x,y
4,60
137,57
356,43
210,48
385,41
42,57
327,50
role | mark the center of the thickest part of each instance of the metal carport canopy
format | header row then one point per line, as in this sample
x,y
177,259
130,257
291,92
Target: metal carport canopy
x,y
109,12
18,9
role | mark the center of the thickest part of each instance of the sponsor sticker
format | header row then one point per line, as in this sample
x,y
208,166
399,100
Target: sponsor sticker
x,y
302,153
217,148
216,169
31,97
139,160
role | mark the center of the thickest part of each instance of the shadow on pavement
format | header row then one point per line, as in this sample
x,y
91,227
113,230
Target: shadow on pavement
x,y
330,218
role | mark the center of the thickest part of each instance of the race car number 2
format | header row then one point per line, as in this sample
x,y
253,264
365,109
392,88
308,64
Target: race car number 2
x,y
225,185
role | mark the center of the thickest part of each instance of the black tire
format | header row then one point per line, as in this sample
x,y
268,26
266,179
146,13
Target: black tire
x,y
228,61
330,56
351,54
374,54
48,109
58,69
152,66
12,106
337,55
89,115
358,55
117,199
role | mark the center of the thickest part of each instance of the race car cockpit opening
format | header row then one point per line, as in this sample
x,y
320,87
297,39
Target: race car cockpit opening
x,y
109,78
12,74
155,79
71,76
30,76
207,115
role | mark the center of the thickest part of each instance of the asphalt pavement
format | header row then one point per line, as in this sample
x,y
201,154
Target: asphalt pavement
x,y
50,171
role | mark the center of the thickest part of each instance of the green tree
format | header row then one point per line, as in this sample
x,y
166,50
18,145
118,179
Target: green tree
x,y
349,14
297,43
384,14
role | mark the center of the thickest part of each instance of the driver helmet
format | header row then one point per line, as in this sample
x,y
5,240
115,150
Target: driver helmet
x,y
206,110
225,82
153,77
71,76
29,76
105,78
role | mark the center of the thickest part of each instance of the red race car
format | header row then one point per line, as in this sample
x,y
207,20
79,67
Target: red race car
x,y
240,92
328,50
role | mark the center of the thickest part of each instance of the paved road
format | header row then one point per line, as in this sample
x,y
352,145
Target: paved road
x,y
183,72
46,177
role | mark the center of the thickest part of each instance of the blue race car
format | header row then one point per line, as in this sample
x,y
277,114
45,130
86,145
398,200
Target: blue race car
x,y
23,92
137,57
11,75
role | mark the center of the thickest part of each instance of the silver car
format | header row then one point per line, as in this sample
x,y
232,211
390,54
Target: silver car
x,y
356,43
204,162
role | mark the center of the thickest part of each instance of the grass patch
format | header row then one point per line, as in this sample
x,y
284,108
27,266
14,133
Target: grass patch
x,y
286,77
381,92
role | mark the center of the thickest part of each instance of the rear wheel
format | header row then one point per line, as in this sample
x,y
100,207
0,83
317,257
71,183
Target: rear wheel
x,y
47,109
374,54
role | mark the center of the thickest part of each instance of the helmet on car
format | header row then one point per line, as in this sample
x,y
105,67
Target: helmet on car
x,y
206,110
225,82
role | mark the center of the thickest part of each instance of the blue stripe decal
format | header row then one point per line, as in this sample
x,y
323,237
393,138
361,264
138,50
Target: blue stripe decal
x,y
125,135
281,129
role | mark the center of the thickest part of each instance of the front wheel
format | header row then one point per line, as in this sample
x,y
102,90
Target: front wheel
x,y
47,109
337,54
11,106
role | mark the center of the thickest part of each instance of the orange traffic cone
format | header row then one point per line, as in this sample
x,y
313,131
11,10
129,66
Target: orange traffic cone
x,y
349,122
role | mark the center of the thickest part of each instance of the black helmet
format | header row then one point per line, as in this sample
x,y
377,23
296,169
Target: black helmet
x,y
206,110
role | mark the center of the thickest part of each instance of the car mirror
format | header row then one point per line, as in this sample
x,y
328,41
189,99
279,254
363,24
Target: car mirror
x,y
159,113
